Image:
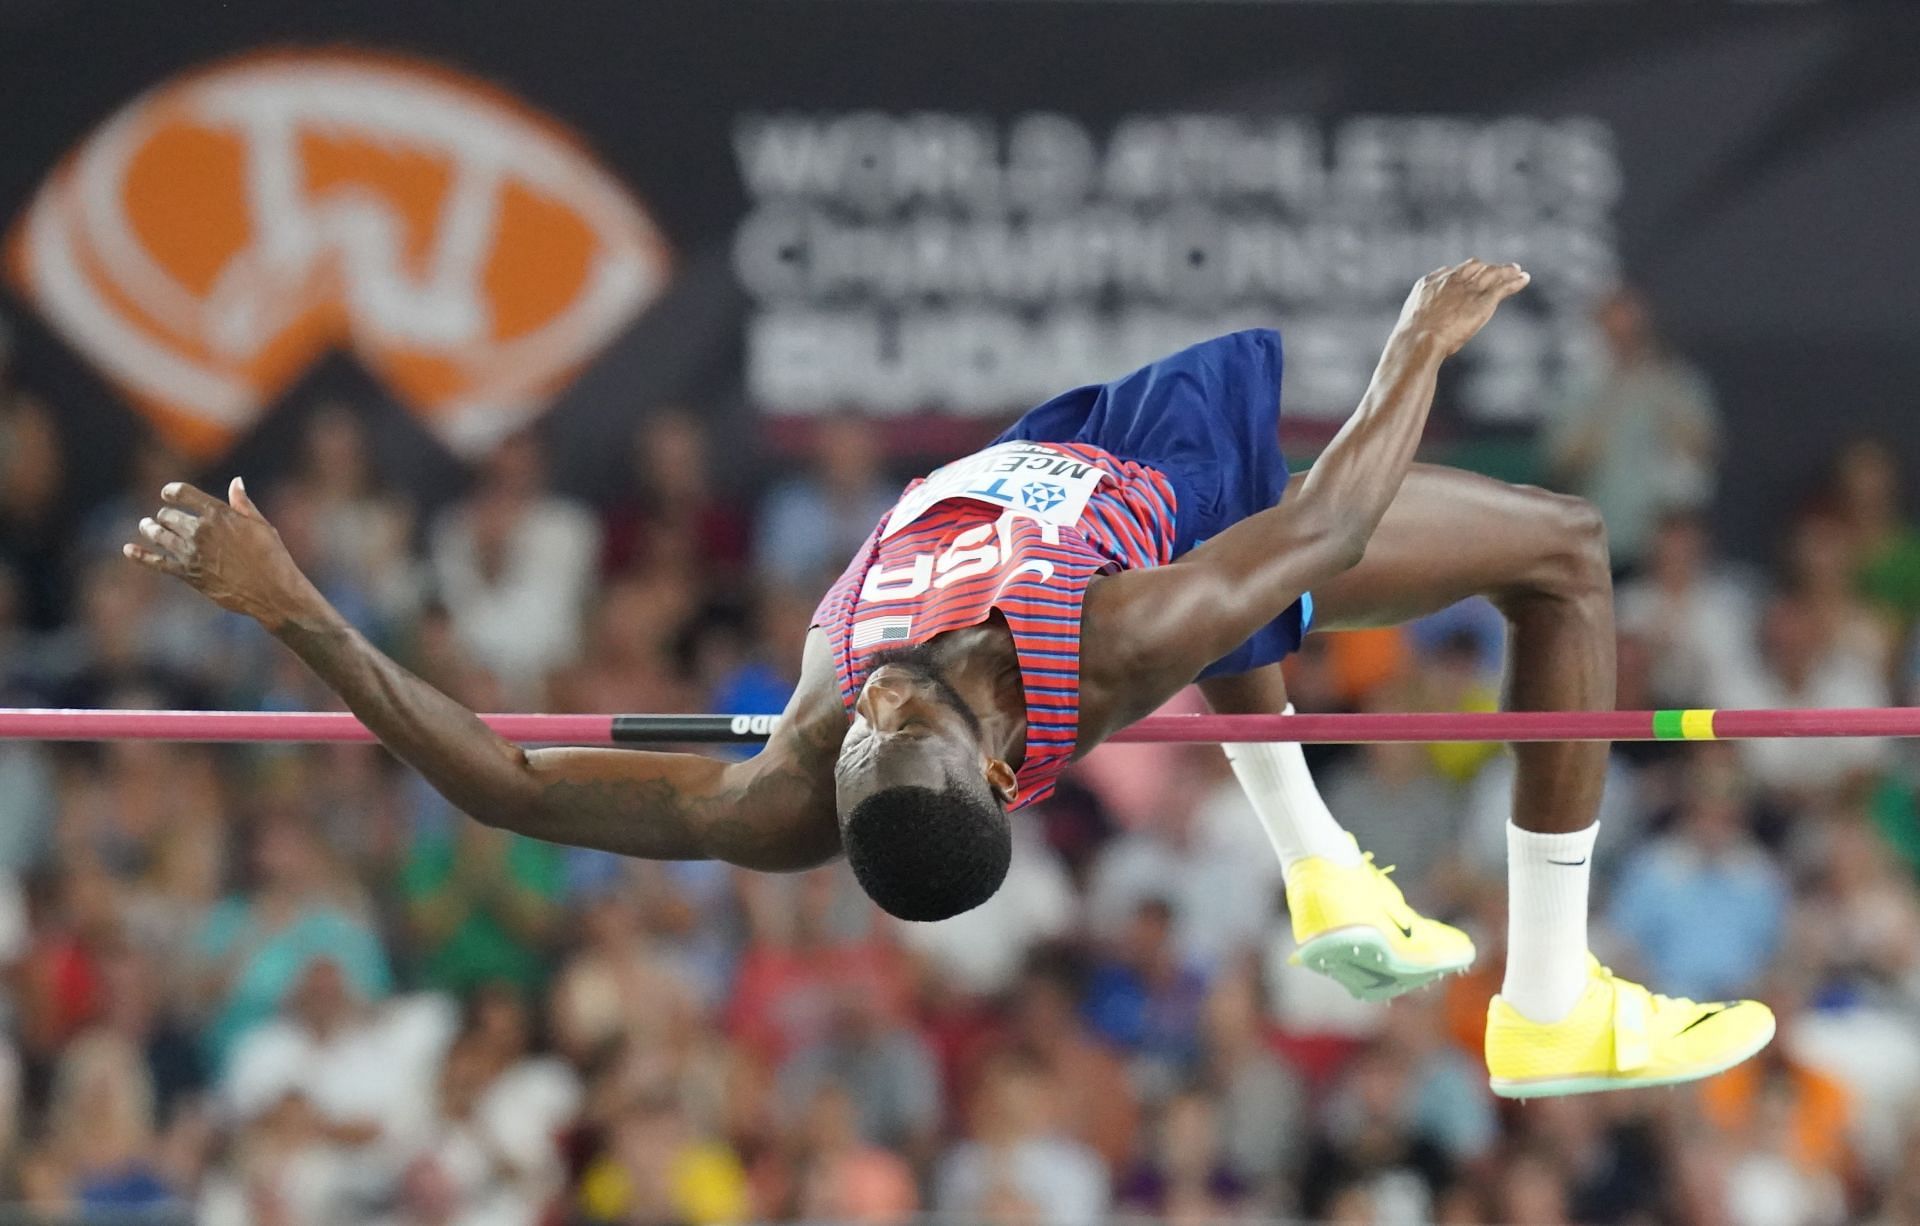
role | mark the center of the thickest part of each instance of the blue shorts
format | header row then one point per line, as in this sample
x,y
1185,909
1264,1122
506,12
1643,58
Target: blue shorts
x,y
1208,418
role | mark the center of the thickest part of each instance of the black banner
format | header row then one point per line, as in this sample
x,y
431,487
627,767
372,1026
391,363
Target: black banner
x,y
945,210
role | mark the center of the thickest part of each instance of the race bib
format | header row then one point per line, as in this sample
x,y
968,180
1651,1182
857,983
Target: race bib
x,y
1028,479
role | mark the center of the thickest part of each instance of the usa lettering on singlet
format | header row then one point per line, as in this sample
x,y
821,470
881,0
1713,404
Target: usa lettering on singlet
x,y
1022,528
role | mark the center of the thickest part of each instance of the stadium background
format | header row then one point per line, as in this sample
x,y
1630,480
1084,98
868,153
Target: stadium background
x,y
291,987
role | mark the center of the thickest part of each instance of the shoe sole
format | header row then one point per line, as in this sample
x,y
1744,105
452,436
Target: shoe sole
x,y
1364,963
1561,1087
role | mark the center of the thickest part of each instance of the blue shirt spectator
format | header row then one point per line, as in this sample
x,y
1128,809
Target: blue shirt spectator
x,y
1703,906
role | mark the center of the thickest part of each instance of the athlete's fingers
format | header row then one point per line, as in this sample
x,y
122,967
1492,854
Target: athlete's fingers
x,y
182,524
1510,279
180,494
153,560
163,536
243,501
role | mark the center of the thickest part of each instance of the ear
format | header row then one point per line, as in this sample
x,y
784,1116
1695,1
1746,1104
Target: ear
x,y
1001,779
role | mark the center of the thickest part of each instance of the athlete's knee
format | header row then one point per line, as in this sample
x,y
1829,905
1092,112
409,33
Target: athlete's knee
x,y
1577,561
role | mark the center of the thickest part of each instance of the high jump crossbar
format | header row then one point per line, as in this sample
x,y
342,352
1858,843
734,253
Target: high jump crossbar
x,y
251,727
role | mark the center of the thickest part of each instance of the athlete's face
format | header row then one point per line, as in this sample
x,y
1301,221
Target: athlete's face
x,y
911,729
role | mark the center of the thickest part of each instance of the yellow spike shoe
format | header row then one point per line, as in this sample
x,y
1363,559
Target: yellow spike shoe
x,y
1620,1037
1353,925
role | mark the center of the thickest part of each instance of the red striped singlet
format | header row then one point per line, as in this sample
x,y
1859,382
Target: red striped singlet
x,y
1008,543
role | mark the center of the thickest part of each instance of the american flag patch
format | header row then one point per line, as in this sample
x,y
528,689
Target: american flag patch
x,y
875,630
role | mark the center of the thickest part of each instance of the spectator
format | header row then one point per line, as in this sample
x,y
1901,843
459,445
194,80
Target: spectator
x,y
139,794
1371,1139
1695,616
631,631
1197,855
811,525
1261,1102
284,1169
1187,1177
489,1155
26,768
1701,907
134,1008
673,519
1901,1200
255,947
1019,1165
514,564
1532,1191
1611,1158
841,1177
885,1068
1819,572
618,987
131,636
1448,1103
797,964
77,922
1146,1000
1093,1099
747,659
1804,666
33,526
1643,438
1866,495
482,906
1766,1186
656,1168
109,524
102,1154
1781,1111
350,535
1847,1002
367,1070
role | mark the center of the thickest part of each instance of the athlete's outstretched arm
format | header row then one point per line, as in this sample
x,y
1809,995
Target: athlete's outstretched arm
x,y
773,811
1182,617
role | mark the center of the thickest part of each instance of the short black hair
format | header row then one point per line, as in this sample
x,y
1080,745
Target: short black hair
x,y
925,854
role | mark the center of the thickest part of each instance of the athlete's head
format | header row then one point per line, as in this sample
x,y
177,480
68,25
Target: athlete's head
x,y
922,799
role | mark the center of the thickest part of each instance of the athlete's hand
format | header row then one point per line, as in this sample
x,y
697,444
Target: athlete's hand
x,y
226,550
1450,305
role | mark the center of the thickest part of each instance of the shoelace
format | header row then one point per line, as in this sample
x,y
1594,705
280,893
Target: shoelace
x,y
1384,872
1399,900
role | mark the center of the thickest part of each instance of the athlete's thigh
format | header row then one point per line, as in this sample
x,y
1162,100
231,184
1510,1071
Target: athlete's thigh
x,y
1263,691
1448,535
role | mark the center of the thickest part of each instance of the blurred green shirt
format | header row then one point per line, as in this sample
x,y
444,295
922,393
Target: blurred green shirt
x,y
1890,578
482,949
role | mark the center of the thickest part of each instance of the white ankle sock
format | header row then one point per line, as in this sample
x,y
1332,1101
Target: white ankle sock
x,y
1547,878
1275,778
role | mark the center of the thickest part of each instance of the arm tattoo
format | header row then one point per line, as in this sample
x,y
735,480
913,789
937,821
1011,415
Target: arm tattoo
x,y
779,817
774,812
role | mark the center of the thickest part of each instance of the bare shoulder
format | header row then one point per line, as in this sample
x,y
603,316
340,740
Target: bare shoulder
x,y
781,813
1130,656
815,722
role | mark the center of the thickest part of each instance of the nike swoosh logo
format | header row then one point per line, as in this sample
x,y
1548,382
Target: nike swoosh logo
x,y
1042,568
1405,929
1567,863
1703,1017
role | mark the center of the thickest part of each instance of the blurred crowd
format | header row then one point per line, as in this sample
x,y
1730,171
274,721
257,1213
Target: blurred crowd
x,y
291,987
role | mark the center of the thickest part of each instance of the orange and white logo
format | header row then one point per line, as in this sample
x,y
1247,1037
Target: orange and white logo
x,y
214,238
